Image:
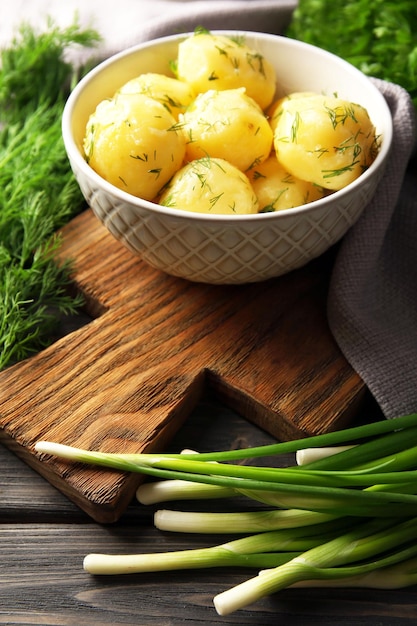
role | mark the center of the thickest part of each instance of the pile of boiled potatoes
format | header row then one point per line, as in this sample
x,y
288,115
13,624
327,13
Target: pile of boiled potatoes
x,y
213,139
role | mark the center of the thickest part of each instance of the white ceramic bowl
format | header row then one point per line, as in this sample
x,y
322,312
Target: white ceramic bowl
x,y
218,248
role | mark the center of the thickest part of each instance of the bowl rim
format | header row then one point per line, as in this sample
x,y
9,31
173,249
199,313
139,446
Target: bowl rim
x,y
75,155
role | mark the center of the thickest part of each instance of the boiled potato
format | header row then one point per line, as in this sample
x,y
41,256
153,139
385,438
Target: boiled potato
x,y
207,61
132,141
274,112
210,186
325,140
228,125
174,94
277,190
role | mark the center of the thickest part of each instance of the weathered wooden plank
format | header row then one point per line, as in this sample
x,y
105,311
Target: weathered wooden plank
x,y
42,582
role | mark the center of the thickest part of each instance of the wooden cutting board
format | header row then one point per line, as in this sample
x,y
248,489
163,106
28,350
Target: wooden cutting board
x,y
127,380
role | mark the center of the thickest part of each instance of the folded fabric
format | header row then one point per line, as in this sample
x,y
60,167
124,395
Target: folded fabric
x,y
372,300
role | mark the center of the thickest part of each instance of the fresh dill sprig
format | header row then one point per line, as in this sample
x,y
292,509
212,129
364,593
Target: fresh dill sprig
x,y
38,192
40,56
31,298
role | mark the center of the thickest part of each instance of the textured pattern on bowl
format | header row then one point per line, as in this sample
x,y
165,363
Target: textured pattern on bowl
x,y
218,252
223,249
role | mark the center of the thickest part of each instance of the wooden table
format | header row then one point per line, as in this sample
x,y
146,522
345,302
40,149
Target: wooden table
x,y
44,538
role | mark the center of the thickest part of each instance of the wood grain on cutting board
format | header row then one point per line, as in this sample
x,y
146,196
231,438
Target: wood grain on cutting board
x,y
126,381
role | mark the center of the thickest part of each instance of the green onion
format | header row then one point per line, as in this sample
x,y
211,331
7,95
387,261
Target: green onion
x,y
112,564
230,553
239,522
385,449
309,455
283,487
393,572
347,516
160,491
363,542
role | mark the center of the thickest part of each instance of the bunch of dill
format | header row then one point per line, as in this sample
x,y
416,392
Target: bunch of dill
x,y
378,37
38,193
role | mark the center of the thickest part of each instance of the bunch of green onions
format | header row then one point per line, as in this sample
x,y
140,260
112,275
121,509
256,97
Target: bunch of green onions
x,y
343,515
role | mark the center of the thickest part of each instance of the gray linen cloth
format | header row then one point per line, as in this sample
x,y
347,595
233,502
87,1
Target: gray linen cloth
x,y
372,300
